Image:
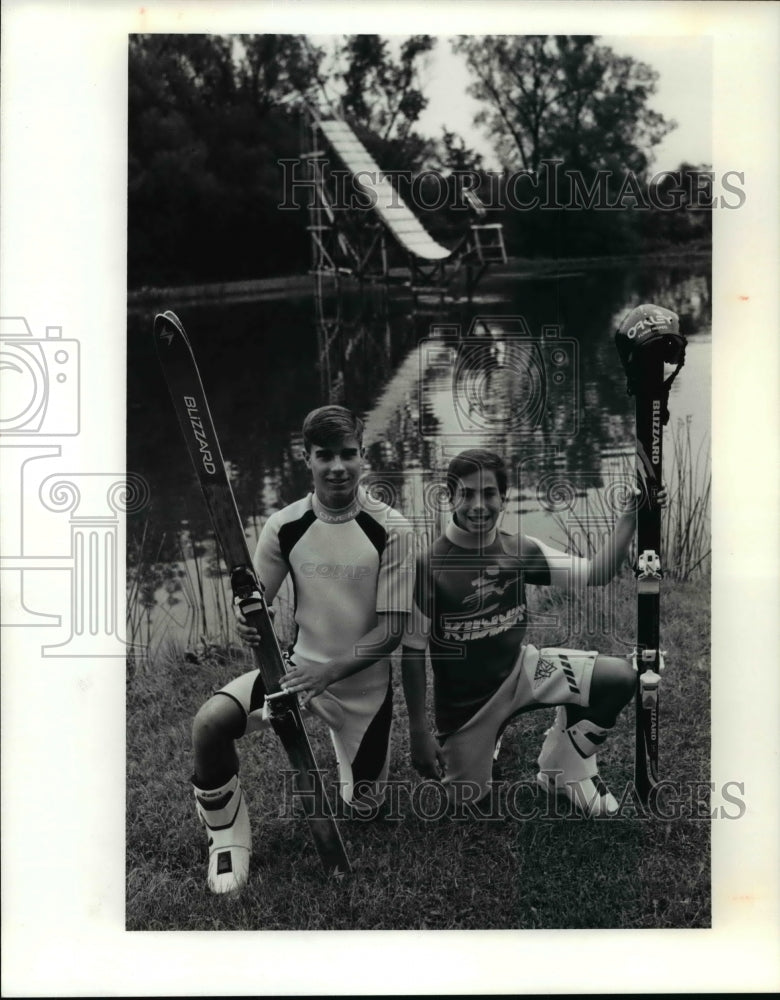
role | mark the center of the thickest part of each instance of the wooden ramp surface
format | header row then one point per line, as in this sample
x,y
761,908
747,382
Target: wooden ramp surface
x,y
388,204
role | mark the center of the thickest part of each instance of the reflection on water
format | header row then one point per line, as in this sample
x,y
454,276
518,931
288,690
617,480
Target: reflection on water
x,y
529,371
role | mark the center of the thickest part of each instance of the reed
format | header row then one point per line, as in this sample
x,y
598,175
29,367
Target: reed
x,y
182,602
685,522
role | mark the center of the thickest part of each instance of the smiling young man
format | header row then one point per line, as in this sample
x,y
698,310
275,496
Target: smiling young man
x,y
352,567
470,613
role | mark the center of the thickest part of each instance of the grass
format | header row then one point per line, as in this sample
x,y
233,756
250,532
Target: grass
x,y
546,871
543,872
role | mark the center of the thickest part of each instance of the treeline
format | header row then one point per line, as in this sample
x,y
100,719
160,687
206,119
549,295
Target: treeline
x,y
211,117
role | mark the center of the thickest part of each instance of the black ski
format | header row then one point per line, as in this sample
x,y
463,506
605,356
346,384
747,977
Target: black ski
x,y
647,339
189,400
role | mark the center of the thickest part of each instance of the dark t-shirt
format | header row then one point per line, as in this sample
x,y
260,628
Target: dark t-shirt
x,y
470,610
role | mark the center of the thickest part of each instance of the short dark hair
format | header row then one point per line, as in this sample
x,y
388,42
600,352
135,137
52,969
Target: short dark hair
x,y
476,460
330,423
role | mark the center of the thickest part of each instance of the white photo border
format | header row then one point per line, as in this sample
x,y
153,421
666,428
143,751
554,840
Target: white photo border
x,y
63,231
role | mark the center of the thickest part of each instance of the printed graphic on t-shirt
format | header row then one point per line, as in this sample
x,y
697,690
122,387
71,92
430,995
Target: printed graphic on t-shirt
x,y
485,585
488,609
464,629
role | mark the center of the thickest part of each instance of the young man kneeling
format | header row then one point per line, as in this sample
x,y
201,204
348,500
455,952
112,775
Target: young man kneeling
x,y
351,563
470,613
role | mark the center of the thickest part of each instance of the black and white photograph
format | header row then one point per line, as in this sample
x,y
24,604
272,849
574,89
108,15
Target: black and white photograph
x,y
386,456
496,360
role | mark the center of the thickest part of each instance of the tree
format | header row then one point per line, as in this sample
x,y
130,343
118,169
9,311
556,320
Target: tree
x,y
563,97
682,203
455,155
381,93
272,68
208,123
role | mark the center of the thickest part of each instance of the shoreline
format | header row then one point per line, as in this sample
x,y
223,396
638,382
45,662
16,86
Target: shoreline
x,y
303,285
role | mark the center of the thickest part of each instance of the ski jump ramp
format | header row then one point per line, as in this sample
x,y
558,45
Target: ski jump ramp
x,y
354,241
388,204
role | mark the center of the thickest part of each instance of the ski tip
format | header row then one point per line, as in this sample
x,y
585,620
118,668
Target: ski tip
x,y
166,325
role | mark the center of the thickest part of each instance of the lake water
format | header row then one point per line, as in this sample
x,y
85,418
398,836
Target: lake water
x,y
535,376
